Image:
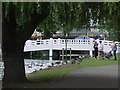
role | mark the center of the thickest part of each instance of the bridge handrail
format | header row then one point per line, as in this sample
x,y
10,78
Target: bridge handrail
x,y
71,43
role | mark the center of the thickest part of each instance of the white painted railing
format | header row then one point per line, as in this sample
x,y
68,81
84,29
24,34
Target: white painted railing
x,y
58,44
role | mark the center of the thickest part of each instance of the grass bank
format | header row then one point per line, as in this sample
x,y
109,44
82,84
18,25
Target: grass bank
x,y
43,77
60,71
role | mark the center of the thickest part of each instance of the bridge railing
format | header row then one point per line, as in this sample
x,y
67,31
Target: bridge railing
x,y
70,41
58,44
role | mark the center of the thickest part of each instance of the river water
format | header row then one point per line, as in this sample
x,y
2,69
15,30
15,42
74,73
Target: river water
x,y
32,65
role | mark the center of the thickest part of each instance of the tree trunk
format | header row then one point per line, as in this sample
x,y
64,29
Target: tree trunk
x,y
14,71
12,53
13,41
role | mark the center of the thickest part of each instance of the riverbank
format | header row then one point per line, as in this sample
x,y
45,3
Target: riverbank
x,y
42,78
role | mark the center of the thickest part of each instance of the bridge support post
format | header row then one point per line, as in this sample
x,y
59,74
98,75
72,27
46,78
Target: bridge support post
x,y
50,54
91,48
91,53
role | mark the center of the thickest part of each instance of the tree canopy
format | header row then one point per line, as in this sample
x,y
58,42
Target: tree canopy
x,y
66,16
110,20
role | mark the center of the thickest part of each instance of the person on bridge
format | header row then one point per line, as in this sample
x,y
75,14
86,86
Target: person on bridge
x,y
95,49
114,49
100,50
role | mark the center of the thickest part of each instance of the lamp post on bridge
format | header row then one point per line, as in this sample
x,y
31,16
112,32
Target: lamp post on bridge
x,y
86,30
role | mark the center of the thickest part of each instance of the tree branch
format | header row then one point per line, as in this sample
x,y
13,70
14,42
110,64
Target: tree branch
x,y
30,26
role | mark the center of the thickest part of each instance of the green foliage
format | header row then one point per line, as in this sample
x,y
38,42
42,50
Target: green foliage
x,y
63,16
66,16
109,21
23,11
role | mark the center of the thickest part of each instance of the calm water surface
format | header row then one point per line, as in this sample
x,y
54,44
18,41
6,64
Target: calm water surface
x,y
32,65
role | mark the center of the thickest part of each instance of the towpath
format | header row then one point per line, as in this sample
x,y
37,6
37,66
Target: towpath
x,y
91,77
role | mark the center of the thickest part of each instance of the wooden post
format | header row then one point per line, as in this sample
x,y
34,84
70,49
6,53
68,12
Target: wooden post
x,y
70,54
31,54
62,55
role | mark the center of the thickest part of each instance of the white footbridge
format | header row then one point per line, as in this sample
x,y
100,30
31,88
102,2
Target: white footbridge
x,y
73,44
